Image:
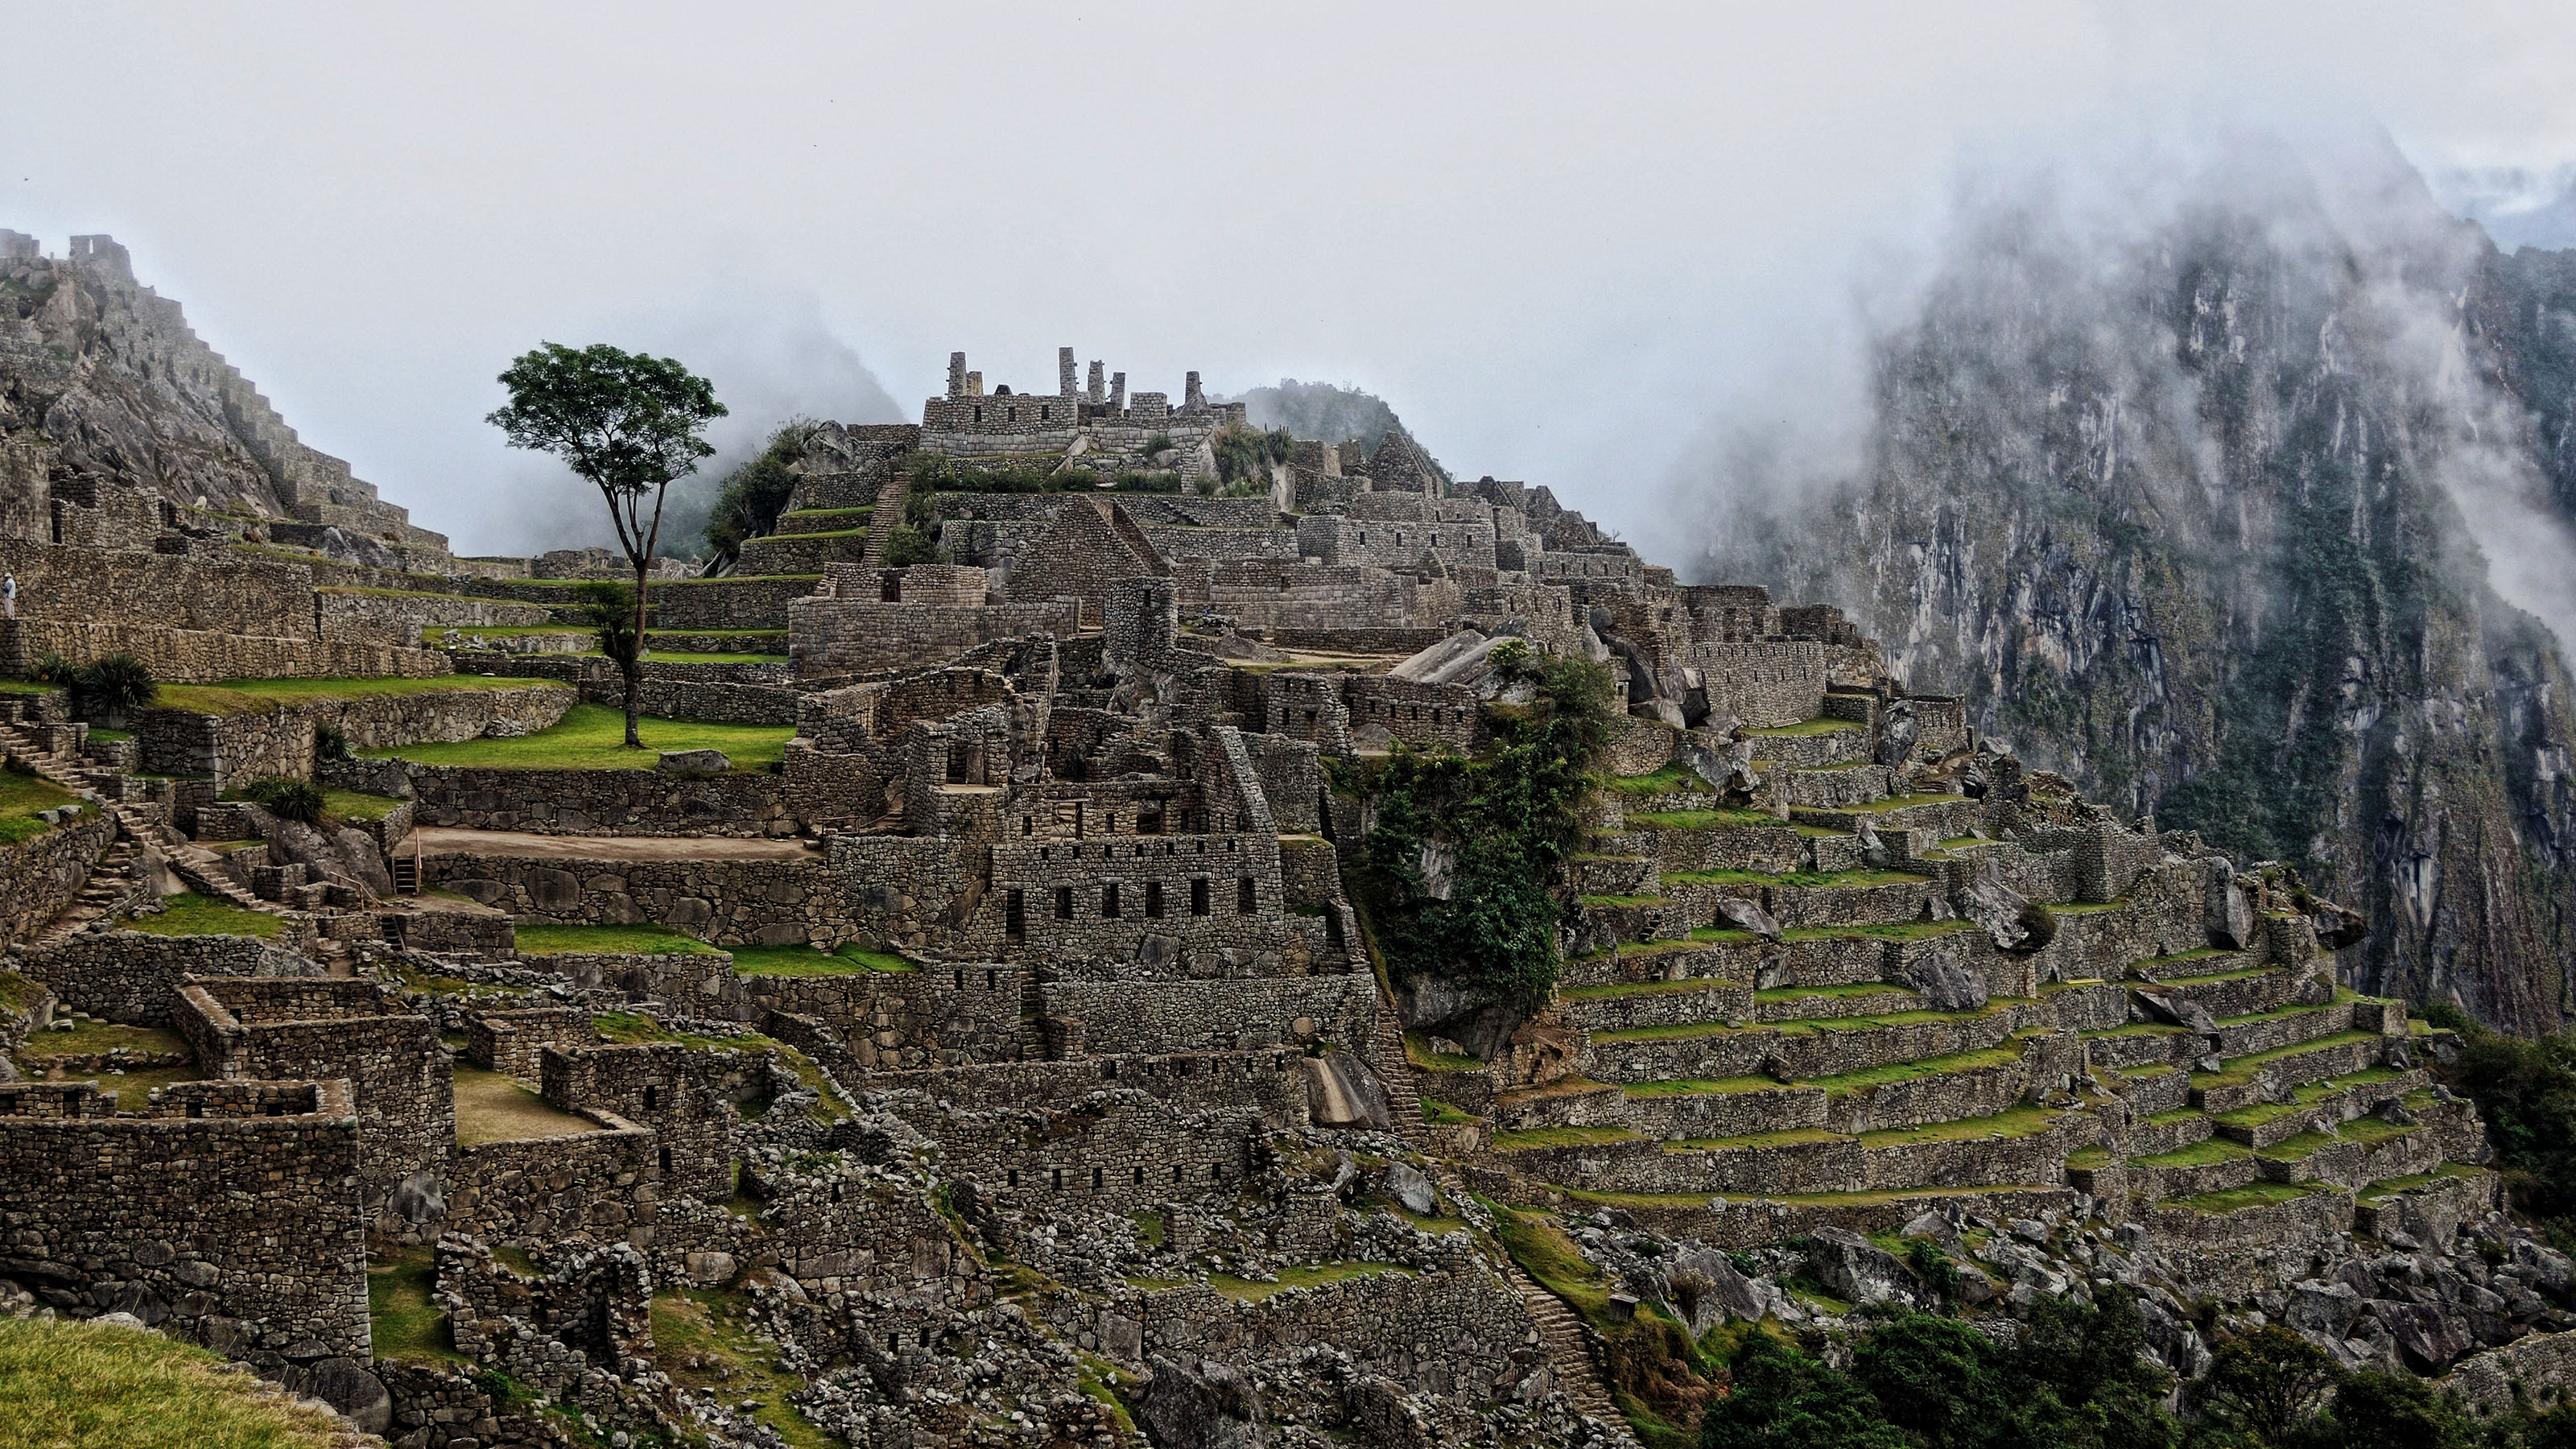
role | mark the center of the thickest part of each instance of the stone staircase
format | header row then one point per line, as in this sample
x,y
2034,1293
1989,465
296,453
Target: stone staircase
x,y
1573,1350
887,517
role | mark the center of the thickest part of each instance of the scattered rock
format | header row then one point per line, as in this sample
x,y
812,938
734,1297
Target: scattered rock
x,y
693,762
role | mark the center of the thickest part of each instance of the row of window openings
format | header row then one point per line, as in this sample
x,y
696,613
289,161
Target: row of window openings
x,y
1012,415
1170,847
1113,902
1099,1178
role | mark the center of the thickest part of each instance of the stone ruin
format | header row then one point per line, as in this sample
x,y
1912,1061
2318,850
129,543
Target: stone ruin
x,y
1028,1075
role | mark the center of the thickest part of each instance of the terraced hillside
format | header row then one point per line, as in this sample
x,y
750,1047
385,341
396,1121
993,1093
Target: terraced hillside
x,y
1877,985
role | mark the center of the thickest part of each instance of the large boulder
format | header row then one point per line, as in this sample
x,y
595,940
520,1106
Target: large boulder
x,y
1703,1285
1744,915
693,762
1857,1270
1207,1407
1341,1091
2011,922
1945,980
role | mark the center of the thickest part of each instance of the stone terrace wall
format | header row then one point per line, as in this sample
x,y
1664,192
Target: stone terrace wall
x,y
280,741
724,902
391,616
131,977
1116,1149
1450,1332
512,1042
41,875
727,603
232,1229
1765,685
833,636
941,1015
595,802
545,1189
1267,1082
1237,1015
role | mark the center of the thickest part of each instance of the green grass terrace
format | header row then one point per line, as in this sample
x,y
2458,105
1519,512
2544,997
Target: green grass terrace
x,y
593,737
21,798
258,696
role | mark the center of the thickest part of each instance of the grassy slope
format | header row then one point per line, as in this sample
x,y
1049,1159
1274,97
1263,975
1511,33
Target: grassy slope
x,y
190,914
21,796
68,1384
255,696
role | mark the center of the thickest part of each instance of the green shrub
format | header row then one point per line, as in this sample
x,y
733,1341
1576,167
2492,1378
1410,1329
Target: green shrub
x,y
113,687
1244,453
295,800
53,668
608,606
907,546
330,742
753,495
1512,819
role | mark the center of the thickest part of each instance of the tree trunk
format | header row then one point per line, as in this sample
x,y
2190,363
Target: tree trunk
x,y
633,665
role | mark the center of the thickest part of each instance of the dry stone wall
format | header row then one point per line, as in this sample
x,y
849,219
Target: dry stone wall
x,y
41,875
228,1216
279,741
132,977
725,902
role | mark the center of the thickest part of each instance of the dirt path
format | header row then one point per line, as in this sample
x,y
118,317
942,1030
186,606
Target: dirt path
x,y
437,841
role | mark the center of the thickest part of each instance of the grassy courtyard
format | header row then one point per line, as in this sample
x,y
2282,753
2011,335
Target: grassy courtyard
x,y
190,914
593,737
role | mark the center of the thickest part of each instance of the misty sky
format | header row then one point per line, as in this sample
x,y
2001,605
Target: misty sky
x,y
1556,238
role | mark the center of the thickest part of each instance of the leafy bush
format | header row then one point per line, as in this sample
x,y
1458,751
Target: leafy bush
x,y
1933,1265
1244,453
753,495
1512,820
286,799
53,668
2526,1091
113,687
907,546
330,742
608,606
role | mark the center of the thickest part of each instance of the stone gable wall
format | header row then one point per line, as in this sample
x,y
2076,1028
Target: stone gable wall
x,y
131,977
1765,685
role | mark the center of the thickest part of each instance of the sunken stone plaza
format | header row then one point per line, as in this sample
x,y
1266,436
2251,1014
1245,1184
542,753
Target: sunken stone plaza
x,y
990,1011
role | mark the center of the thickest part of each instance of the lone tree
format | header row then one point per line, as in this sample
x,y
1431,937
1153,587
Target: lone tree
x,y
628,423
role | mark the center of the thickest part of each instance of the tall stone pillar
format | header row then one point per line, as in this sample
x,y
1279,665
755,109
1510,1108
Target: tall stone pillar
x,y
1093,391
1191,397
957,374
1064,372
1118,392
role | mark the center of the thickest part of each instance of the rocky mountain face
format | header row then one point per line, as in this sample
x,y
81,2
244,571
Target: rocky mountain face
x,y
2217,512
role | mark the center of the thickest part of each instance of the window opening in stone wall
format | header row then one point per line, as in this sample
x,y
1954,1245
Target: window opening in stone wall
x,y
925,1338
1064,903
1109,901
1109,1070
651,1094
1245,901
1015,1177
666,1159
1333,928
1140,1177
890,588
1058,1179
1176,1172
1199,896
992,980
961,978
1028,826
1153,900
1149,822
1095,1179
956,765
1015,925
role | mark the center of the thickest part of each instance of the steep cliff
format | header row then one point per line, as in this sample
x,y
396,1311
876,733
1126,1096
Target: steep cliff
x,y
2190,507
103,381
